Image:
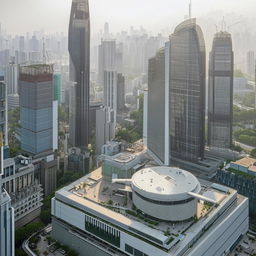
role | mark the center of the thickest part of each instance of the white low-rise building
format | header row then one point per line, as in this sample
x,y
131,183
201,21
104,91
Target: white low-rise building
x,y
97,217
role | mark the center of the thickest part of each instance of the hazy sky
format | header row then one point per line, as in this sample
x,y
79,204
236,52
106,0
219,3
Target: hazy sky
x,y
19,16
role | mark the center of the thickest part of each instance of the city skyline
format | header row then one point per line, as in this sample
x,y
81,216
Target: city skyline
x,y
52,16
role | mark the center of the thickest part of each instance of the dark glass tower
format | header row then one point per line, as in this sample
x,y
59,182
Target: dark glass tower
x,y
79,50
220,97
156,105
187,92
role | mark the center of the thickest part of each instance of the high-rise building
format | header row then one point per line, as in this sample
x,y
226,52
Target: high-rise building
x,y
57,87
3,111
79,51
36,108
104,127
157,110
220,91
250,61
187,92
176,96
120,92
12,76
108,79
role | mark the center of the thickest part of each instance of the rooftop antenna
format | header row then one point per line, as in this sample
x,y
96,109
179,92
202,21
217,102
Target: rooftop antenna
x,y
223,24
216,27
190,7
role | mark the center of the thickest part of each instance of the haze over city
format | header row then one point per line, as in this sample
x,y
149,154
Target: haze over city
x,y
53,15
127,127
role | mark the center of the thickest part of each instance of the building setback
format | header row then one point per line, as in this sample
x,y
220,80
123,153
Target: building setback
x,y
79,51
220,94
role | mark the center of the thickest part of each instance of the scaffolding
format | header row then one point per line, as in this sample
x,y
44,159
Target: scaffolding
x,y
36,73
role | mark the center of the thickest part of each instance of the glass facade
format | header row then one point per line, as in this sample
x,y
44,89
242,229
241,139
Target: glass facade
x,y
245,185
57,87
79,51
156,104
36,109
102,230
220,96
187,92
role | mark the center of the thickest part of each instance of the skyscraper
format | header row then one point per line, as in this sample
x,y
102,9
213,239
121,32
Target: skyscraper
x,y
108,79
36,108
3,112
187,91
79,51
156,105
176,96
250,62
120,92
220,94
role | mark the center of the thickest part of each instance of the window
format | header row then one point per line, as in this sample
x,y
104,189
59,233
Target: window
x,y
129,249
137,253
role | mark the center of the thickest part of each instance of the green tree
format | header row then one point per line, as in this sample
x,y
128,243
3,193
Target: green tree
x,y
25,232
253,153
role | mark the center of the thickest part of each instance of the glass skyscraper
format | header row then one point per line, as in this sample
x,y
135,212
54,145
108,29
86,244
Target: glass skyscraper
x,y
220,96
176,96
79,51
156,104
187,92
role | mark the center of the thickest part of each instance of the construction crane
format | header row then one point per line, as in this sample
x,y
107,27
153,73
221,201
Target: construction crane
x,y
238,22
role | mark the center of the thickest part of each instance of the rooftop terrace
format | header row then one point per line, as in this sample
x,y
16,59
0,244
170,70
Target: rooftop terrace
x,y
111,201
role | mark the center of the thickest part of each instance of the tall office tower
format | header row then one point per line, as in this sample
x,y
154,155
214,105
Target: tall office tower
x,y
12,76
57,87
176,96
107,62
187,92
36,108
220,94
34,44
3,111
107,56
250,62
120,92
79,51
157,110
22,44
108,79
104,128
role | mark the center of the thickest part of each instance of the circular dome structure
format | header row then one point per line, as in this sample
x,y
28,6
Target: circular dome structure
x,y
162,192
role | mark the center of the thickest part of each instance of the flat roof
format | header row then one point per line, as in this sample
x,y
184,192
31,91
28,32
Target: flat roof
x,y
165,181
123,158
247,162
93,194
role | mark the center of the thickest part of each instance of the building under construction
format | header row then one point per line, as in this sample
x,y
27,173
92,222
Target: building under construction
x,y
36,108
